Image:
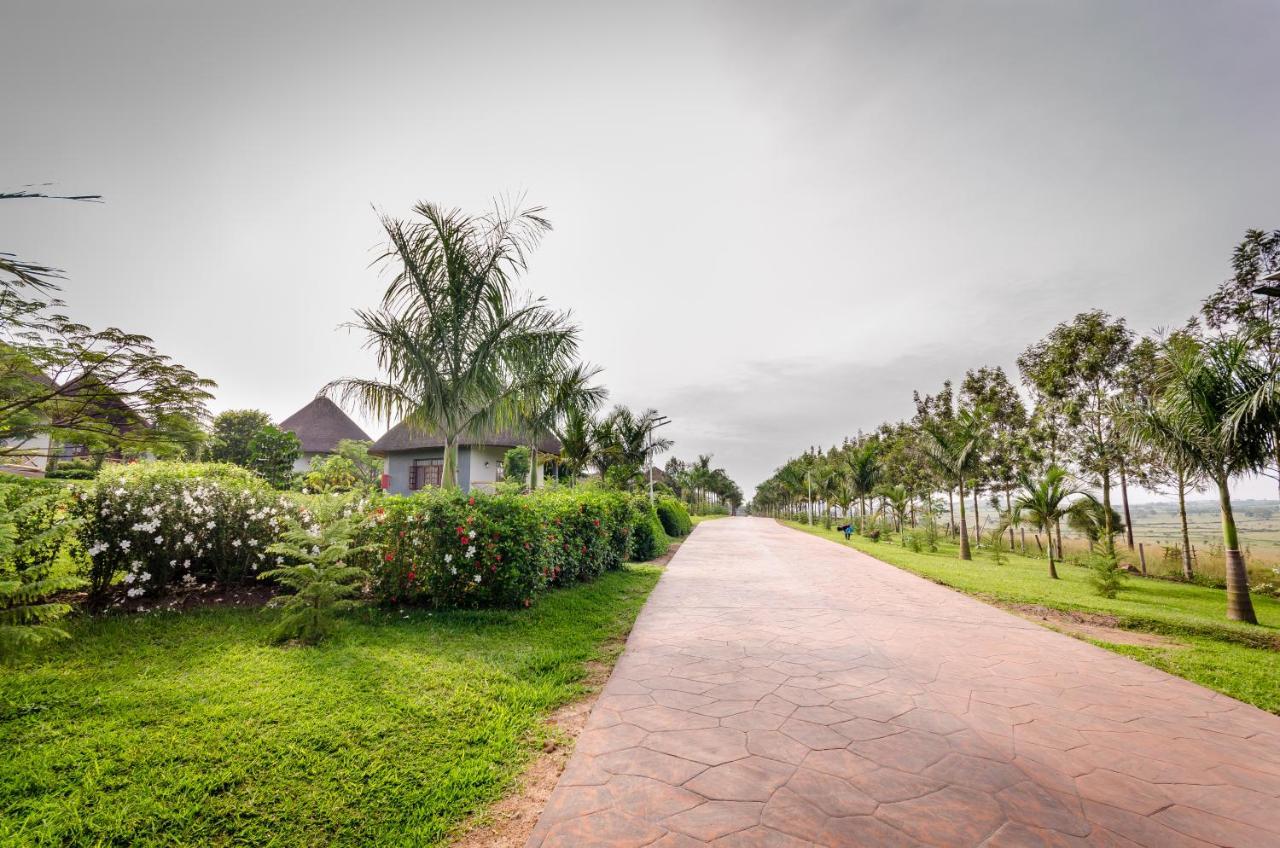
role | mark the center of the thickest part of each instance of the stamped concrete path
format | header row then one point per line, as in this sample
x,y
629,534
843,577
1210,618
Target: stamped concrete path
x,y
781,690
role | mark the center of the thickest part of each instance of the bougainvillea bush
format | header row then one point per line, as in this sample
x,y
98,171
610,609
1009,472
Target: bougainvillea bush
x,y
455,550
157,524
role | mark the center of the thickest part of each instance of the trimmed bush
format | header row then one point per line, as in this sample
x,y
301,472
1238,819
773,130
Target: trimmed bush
x,y
648,541
674,517
36,507
447,549
157,524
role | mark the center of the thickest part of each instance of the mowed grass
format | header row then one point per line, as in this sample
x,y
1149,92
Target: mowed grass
x,y
189,729
698,519
1239,660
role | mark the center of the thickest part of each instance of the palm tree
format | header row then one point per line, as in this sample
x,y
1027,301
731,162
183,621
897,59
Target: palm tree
x,y
450,335
864,476
576,433
548,398
626,442
1043,503
954,449
1207,415
899,501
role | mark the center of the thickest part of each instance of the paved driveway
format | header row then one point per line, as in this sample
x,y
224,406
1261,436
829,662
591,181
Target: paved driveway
x,y
781,690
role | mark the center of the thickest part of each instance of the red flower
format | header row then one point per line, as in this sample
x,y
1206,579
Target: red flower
x,y
471,501
596,522
412,575
390,556
498,557
460,529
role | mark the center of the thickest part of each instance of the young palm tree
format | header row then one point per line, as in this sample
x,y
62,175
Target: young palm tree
x,y
450,335
576,433
547,398
864,476
954,449
1202,417
1043,503
625,442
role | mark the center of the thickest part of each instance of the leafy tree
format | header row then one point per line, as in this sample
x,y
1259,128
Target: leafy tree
x,y
456,345
356,451
272,453
1045,501
233,431
333,473
989,391
516,464
321,567
1077,367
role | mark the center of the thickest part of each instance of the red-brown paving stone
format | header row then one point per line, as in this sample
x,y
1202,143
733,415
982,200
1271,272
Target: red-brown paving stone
x,y
715,819
782,691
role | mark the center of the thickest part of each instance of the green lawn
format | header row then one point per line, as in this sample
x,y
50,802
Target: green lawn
x,y
1237,659
189,729
698,519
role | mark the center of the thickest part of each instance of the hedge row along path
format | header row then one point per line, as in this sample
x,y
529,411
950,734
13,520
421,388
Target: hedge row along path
x,y
780,690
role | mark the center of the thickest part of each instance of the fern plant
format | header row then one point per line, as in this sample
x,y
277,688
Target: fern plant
x,y
27,615
319,563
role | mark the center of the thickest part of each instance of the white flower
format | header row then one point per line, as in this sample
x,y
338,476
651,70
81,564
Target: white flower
x,y
448,558
189,538
453,569
476,579
188,579
97,548
472,534
133,593
159,540
129,578
279,560
471,551
235,543
124,544
210,524
186,563
144,576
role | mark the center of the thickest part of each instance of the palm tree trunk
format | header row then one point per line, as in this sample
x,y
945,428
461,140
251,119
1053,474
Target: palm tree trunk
x,y
1239,606
1182,518
449,472
1058,527
1008,505
1124,500
533,469
977,521
964,531
951,506
1048,532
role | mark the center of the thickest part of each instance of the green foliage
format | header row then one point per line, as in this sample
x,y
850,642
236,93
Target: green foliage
x,y
674,517
648,540
33,522
272,453
335,473
321,567
998,545
158,524
356,451
515,464
446,549
233,430
1105,576
73,469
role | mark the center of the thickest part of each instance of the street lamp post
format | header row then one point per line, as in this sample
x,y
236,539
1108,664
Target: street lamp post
x,y
808,475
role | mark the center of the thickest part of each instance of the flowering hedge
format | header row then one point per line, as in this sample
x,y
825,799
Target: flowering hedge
x,y
455,550
157,524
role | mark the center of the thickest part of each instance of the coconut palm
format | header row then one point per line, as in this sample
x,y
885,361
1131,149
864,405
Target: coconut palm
x,y
954,449
1045,501
1202,416
453,340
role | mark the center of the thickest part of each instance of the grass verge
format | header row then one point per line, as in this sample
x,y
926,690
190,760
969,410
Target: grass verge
x,y
1239,660
189,729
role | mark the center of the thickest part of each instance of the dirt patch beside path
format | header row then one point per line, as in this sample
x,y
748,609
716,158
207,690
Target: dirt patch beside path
x,y
508,823
1088,625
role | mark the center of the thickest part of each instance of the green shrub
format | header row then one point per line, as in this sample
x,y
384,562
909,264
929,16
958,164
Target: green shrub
x,y
74,469
35,507
674,517
448,549
322,567
1105,576
157,524
648,541
515,465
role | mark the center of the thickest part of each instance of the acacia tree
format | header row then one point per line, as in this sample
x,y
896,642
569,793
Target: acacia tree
x,y
106,390
455,343
1077,368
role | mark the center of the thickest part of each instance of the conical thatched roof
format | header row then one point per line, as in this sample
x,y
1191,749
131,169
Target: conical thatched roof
x,y
321,424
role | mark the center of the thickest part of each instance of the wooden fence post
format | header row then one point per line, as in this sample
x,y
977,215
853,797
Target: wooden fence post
x,y
1142,555
1023,531
1039,546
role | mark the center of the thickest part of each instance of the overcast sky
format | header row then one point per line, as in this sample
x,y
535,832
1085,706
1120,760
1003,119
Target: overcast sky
x,y
773,221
